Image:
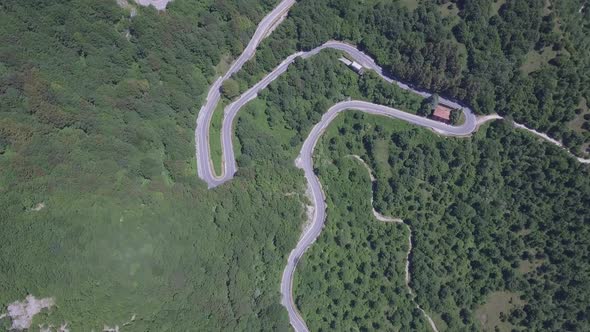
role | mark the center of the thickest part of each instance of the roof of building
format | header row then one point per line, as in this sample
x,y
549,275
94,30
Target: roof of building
x,y
442,112
345,61
356,66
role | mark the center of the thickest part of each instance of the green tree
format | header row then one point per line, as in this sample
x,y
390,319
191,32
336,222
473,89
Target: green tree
x,y
230,88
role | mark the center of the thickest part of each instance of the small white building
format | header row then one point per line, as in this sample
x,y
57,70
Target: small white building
x,y
345,61
355,66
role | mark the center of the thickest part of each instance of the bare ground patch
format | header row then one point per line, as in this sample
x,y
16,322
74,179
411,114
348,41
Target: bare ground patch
x,y
158,4
21,313
39,207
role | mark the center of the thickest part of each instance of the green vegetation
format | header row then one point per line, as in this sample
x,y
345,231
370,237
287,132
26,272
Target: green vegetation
x,y
535,60
475,55
449,9
457,117
309,87
100,129
410,4
282,115
353,277
498,212
102,209
230,88
215,138
581,123
514,243
494,312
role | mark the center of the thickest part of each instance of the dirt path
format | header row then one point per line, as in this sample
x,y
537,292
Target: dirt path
x,y
304,161
384,218
377,215
483,119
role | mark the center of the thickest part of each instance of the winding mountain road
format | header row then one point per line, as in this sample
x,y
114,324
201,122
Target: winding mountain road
x,y
229,167
305,161
204,164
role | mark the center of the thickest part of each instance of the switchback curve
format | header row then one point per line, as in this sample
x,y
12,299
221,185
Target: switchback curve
x,y
304,161
229,167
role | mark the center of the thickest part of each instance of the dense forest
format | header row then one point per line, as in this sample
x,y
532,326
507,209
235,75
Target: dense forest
x,y
528,59
487,215
353,276
101,205
102,209
501,212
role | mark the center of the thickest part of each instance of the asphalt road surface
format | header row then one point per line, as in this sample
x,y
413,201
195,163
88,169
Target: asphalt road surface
x,y
229,167
304,161
203,154
204,167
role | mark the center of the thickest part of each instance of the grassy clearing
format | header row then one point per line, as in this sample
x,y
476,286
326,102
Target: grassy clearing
x,y
535,60
449,10
496,5
527,266
256,110
382,156
410,4
497,304
581,124
215,138
577,123
438,321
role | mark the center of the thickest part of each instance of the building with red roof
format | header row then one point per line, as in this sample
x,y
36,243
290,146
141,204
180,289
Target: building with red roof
x,y
442,113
